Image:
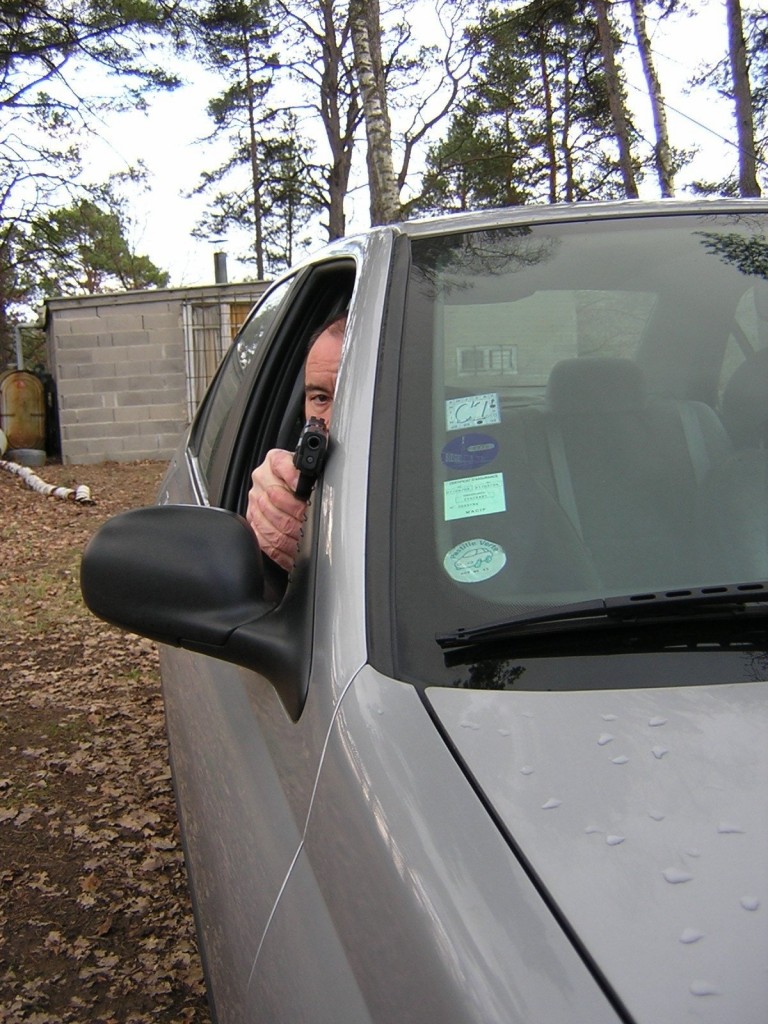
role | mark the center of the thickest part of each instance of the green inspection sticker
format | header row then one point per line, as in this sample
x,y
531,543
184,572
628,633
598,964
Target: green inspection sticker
x,y
474,496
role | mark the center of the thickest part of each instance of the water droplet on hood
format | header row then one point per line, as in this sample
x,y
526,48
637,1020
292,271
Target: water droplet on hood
x,y
604,738
675,875
551,804
614,840
749,903
659,752
654,722
703,988
691,935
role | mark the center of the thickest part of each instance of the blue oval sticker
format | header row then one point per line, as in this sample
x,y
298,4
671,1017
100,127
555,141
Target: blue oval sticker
x,y
469,451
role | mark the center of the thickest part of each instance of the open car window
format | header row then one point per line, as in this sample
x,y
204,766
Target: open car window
x,y
254,402
247,350
271,412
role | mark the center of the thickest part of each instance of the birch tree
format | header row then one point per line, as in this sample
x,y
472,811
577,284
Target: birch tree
x,y
365,22
616,99
663,153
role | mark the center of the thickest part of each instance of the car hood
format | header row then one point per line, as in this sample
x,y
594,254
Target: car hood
x,y
643,814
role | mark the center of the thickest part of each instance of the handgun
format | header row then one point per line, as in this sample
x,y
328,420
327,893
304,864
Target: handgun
x,y
309,456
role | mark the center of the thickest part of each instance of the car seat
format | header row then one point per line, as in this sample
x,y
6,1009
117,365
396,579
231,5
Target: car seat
x,y
744,406
627,468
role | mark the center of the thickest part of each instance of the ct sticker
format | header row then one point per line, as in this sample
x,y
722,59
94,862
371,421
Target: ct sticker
x,y
470,451
474,496
472,411
474,561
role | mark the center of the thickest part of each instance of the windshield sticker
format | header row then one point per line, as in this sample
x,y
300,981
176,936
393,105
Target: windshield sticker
x,y
474,561
470,451
472,411
474,496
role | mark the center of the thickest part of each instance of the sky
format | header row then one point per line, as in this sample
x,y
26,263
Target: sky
x,y
167,138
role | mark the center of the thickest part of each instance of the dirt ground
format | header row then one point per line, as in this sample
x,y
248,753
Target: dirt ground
x,y
95,919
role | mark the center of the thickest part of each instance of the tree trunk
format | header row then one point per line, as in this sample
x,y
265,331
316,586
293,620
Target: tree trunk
x,y
549,135
258,242
366,40
615,97
340,140
662,148
745,125
566,144
6,290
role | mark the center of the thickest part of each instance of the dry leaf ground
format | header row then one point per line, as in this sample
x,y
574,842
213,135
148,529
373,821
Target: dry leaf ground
x,y
95,919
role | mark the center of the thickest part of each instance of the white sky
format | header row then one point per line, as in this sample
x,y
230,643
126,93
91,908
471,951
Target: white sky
x,y
166,137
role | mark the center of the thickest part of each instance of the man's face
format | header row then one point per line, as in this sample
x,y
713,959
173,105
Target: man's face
x,y
320,374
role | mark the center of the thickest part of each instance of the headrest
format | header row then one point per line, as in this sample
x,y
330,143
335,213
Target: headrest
x,y
745,402
595,384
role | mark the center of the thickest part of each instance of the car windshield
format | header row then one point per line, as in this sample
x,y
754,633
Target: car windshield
x,y
583,414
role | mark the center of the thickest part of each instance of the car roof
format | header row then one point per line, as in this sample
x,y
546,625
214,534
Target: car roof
x,y
532,213
586,210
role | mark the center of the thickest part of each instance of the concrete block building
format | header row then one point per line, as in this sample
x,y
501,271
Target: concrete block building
x,y
130,368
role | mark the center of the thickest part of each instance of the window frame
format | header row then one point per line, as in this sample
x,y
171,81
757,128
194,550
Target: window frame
x,y
211,476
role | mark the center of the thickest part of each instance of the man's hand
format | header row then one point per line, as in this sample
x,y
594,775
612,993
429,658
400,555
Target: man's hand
x,y
274,512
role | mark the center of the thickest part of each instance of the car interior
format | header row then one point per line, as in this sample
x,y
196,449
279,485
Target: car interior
x,y
622,400
619,467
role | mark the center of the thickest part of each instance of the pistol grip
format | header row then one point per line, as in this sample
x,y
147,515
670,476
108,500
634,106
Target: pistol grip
x,y
304,486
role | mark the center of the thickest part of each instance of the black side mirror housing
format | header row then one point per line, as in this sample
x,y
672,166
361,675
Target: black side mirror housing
x,y
193,577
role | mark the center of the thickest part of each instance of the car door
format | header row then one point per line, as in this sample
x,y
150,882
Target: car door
x,y
243,767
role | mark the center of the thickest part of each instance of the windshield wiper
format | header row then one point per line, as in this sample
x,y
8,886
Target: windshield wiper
x,y
647,609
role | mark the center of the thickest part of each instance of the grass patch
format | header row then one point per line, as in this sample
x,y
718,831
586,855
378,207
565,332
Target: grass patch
x,y
43,595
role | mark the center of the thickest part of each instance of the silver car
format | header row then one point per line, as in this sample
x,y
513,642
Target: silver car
x,y
497,749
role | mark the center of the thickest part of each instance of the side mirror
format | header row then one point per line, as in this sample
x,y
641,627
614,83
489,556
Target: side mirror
x,y
193,577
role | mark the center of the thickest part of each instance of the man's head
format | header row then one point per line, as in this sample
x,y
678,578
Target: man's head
x,y
322,368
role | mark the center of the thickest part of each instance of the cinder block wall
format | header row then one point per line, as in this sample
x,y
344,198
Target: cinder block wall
x,y
119,365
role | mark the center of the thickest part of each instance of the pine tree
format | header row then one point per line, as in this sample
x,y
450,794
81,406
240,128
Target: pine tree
x,y
43,43
536,124
742,99
83,249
